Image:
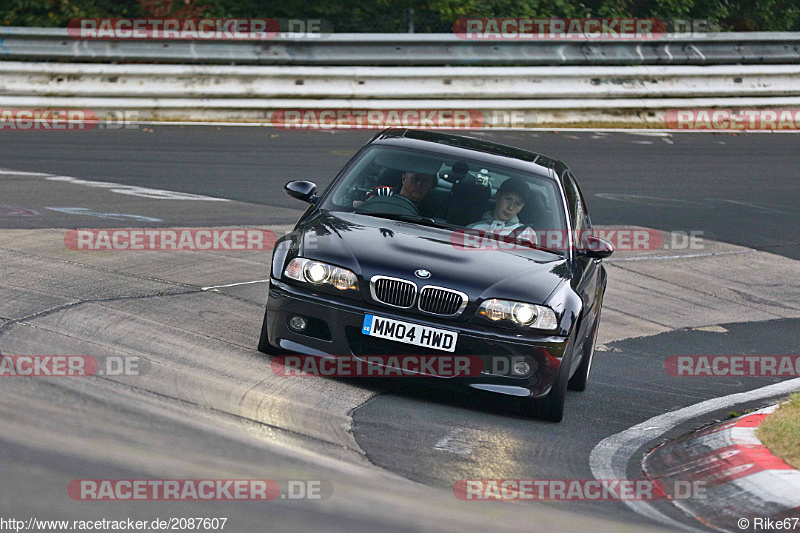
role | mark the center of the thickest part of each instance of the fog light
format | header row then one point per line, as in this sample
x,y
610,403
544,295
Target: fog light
x,y
298,323
521,368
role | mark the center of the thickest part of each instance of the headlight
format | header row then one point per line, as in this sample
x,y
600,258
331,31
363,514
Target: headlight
x,y
522,314
317,273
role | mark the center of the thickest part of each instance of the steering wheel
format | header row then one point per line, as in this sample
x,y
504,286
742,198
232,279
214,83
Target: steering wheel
x,y
395,205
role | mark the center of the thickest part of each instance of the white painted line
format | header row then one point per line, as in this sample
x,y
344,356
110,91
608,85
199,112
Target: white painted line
x,y
693,47
609,459
711,329
21,173
466,132
769,410
454,442
685,256
134,190
650,200
780,487
756,206
744,437
234,284
131,190
85,211
651,133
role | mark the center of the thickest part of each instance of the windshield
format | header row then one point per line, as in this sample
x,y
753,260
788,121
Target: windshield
x,y
462,193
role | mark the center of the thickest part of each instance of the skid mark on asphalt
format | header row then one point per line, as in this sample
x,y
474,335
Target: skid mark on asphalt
x,y
70,305
455,442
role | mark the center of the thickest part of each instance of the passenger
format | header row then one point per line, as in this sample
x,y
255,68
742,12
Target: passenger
x,y
509,201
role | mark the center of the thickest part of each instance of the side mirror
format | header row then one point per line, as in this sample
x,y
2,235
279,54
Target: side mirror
x,y
596,248
302,190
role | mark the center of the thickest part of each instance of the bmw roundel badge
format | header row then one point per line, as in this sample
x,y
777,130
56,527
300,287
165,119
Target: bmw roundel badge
x,y
422,273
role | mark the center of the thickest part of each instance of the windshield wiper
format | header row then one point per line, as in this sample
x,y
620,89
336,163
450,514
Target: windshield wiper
x,y
536,246
521,241
428,221
417,219
549,250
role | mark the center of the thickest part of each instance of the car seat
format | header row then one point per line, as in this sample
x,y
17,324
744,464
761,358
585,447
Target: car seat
x,y
391,177
469,199
535,213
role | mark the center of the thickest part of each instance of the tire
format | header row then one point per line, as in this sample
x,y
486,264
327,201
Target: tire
x,y
551,407
263,342
581,376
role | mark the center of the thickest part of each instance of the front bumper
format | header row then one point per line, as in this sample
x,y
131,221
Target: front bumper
x,y
335,330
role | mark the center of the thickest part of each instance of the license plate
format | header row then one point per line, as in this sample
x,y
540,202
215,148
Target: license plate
x,y
416,334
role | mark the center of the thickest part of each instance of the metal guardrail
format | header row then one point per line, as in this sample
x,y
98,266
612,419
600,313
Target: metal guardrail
x,y
54,44
396,83
510,83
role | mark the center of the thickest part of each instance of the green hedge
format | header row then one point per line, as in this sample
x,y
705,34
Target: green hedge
x,y
434,16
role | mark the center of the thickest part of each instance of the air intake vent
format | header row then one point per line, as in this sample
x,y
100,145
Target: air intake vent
x,y
441,301
393,291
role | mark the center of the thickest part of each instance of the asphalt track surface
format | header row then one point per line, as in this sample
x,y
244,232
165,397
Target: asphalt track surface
x,y
734,187
208,406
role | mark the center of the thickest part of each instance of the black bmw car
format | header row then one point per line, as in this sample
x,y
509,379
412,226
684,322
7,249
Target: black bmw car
x,y
419,246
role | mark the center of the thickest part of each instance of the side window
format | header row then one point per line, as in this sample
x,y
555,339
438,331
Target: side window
x,y
577,214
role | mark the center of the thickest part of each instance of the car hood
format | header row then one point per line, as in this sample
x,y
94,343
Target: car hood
x,y
370,246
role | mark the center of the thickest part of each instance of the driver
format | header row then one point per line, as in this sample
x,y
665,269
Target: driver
x,y
415,186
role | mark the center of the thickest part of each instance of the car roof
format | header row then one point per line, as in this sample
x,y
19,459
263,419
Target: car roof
x,y
458,146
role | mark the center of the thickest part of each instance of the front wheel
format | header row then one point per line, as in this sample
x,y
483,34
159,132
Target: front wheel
x,y
551,407
581,377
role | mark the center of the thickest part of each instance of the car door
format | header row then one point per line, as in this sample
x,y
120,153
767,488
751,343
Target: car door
x,y
585,270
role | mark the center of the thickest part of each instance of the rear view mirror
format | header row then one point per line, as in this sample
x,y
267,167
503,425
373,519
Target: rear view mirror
x,y
596,248
302,190
404,162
